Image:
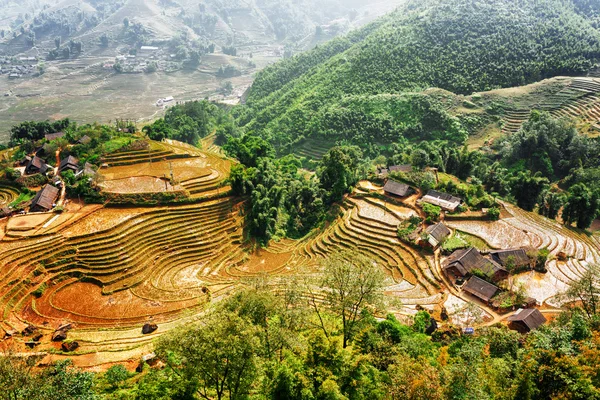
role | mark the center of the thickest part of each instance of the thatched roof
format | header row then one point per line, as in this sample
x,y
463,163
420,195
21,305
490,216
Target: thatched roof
x,y
397,188
480,288
70,162
530,318
52,136
37,164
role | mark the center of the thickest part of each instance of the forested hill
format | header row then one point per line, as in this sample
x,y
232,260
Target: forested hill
x,y
458,45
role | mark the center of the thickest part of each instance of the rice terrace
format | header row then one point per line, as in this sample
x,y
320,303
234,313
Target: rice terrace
x,y
306,200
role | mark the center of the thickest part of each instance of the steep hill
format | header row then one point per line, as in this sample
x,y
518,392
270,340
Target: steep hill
x,y
458,45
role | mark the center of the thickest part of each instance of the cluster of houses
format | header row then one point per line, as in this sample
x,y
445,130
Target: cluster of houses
x,y
45,199
139,62
14,69
468,267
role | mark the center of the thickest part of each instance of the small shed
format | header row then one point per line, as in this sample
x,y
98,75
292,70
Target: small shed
x,y
84,140
44,199
52,136
437,233
69,163
397,189
481,289
526,320
36,166
6,212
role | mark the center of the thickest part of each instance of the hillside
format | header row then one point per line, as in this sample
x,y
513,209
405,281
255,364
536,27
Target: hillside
x,y
460,46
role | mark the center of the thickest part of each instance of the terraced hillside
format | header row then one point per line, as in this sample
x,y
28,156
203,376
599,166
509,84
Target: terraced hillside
x,y
7,195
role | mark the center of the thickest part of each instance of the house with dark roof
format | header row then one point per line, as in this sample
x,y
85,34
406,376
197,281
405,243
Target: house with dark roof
x,y
519,257
36,166
481,289
465,262
44,199
383,172
6,212
397,189
437,234
443,200
53,136
87,170
401,168
526,320
69,163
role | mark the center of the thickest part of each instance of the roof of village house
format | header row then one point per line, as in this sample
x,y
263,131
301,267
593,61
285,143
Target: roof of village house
x,y
467,260
531,317
52,136
397,188
480,288
401,168
69,163
84,140
443,200
439,231
520,256
37,163
45,198
5,211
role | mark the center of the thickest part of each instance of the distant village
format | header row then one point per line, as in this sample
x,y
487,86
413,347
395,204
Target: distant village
x,y
15,68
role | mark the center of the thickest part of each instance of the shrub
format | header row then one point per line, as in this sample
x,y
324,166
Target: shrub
x,y
494,213
39,292
432,212
116,374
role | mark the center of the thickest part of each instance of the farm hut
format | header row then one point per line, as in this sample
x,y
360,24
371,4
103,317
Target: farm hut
x,y
443,200
87,170
36,166
481,289
5,212
44,199
52,136
401,168
397,189
526,320
464,262
69,163
25,161
519,256
437,233
383,172
84,140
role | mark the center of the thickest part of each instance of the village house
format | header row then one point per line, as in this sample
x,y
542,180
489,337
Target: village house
x,y
44,199
69,164
518,256
84,140
445,201
401,168
52,136
397,189
465,262
437,234
382,172
36,166
526,320
481,289
6,212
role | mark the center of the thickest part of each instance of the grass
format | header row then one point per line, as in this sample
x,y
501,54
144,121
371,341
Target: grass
x,y
23,197
473,241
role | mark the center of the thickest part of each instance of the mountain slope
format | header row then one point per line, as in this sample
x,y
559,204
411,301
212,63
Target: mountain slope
x,y
459,45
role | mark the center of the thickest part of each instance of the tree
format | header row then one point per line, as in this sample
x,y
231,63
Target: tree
x,y
586,290
353,282
104,40
126,22
216,359
116,374
411,379
57,41
339,171
527,188
581,207
551,204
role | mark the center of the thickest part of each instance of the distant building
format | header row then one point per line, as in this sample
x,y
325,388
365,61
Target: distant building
x,y
526,320
84,140
51,136
401,168
520,257
397,189
443,200
44,199
69,164
481,289
437,233
36,166
463,262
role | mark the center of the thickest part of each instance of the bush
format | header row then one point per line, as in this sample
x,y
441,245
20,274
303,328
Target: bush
x,y
39,292
116,375
494,214
432,212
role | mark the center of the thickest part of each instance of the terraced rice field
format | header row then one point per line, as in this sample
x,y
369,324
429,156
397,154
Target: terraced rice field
x,y
579,100
8,194
313,149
